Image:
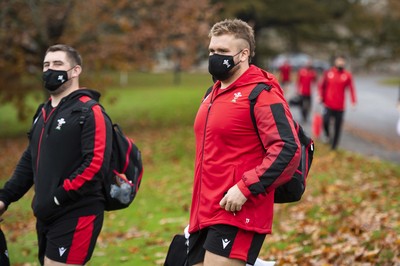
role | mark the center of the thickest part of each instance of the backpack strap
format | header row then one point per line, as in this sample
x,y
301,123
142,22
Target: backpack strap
x,y
87,107
38,112
209,90
253,100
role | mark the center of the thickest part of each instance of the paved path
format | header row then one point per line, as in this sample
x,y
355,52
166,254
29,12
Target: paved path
x,y
370,129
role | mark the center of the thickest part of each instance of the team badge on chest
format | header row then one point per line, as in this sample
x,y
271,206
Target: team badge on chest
x,y
237,95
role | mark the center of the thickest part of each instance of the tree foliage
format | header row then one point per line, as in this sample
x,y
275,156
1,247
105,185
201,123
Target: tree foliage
x,y
119,35
125,35
353,27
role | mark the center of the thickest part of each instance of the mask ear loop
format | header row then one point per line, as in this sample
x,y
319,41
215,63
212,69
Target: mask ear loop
x,y
233,58
71,69
238,53
249,58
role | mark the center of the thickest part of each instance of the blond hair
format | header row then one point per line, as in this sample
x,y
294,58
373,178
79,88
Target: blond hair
x,y
239,29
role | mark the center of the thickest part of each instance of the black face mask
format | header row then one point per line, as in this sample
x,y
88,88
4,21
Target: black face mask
x,y
219,66
53,79
340,68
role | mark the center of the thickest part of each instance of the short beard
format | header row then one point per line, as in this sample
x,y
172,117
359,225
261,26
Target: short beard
x,y
64,87
232,72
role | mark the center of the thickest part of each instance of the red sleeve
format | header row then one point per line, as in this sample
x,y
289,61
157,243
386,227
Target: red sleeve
x,y
299,81
322,85
352,90
281,143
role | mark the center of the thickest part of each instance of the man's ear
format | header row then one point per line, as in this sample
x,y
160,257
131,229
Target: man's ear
x,y
76,71
245,55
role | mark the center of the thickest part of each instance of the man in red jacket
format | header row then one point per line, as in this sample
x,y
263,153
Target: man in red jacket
x,y
235,174
284,74
332,90
305,79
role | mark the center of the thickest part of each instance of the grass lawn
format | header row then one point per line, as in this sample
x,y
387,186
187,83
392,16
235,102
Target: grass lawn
x,y
391,81
348,216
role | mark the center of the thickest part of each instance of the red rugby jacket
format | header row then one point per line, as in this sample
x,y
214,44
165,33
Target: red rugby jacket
x,y
333,87
228,152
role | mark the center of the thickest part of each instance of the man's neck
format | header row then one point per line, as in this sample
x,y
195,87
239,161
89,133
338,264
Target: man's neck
x,y
56,99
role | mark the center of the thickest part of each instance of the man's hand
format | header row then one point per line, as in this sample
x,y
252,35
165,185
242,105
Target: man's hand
x,y
353,106
233,200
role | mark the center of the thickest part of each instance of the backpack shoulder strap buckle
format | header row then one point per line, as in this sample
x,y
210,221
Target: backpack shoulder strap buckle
x,y
86,108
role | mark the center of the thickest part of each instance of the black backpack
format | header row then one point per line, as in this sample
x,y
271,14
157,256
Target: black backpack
x,y
177,254
292,190
124,176
4,259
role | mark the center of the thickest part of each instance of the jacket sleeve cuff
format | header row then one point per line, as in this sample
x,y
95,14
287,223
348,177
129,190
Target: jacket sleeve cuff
x,y
61,196
244,189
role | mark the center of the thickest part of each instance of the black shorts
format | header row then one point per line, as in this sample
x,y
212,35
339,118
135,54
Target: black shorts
x,y
227,241
69,240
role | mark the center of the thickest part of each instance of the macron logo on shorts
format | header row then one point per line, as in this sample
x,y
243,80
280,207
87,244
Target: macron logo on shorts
x,y
225,243
62,251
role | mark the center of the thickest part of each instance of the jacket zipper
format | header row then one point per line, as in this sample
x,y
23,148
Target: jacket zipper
x,y
45,120
202,154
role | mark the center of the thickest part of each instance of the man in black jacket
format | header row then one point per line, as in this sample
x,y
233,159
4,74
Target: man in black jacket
x,y
68,154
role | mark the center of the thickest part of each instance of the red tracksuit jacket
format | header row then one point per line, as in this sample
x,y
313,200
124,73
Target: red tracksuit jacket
x,y
285,70
228,152
333,87
305,78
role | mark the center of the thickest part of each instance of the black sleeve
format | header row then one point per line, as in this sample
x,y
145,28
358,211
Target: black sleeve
x,y
21,180
96,139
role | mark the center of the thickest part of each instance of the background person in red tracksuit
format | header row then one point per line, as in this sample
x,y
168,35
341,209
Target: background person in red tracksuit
x,y
306,76
285,71
235,174
333,88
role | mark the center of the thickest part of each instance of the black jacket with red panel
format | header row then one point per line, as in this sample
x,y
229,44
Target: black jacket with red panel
x,y
229,152
68,154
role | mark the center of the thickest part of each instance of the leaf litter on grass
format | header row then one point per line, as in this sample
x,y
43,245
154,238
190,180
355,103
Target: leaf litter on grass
x,y
349,214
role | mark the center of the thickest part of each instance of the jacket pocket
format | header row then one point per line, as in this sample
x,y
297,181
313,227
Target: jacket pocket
x,y
46,209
